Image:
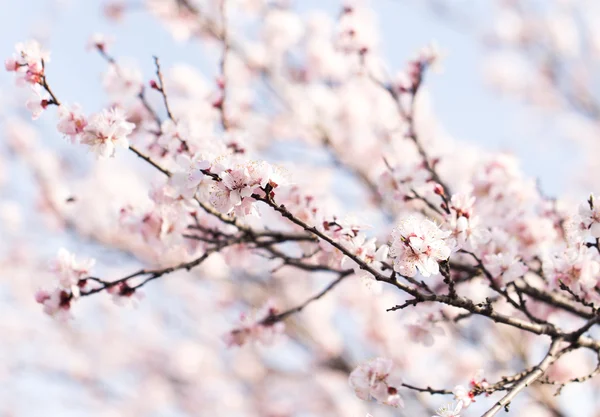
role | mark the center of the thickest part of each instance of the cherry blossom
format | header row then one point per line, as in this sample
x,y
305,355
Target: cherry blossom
x,y
106,131
370,380
256,327
69,270
419,244
590,216
124,295
463,395
71,122
38,102
466,396
450,410
56,304
505,267
574,267
234,191
366,251
28,62
188,179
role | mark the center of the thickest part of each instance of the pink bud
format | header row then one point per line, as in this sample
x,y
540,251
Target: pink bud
x,y
153,85
11,65
41,296
438,189
218,104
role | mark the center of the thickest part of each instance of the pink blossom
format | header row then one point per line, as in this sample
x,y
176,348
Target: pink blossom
x,y
467,233
419,244
105,131
256,327
366,251
27,62
189,176
56,304
466,396
172,134
504,267
576,267
462,204
237,186
466,230
162,225
71,122
589,213
31,53
69,270
370,380
38,102
463,395
449,410
124,295
11,65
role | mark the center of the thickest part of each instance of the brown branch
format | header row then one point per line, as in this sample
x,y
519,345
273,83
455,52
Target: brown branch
x,y
161,88
527,380
279,317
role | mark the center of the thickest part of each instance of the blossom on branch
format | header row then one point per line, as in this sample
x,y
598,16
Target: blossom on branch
x,y
237,185
258,327
589,214
71,121
69,270
38,102
366,251
371,380
106,131
449,410
28,62
56,304
419,245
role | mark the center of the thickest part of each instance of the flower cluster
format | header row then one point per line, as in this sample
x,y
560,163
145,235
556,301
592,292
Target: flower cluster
x,y
419,245
589,215
239,183
258,327
575,267
467,396
366,251
371,381
467,232
449,410
71,274
105,131
28,62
